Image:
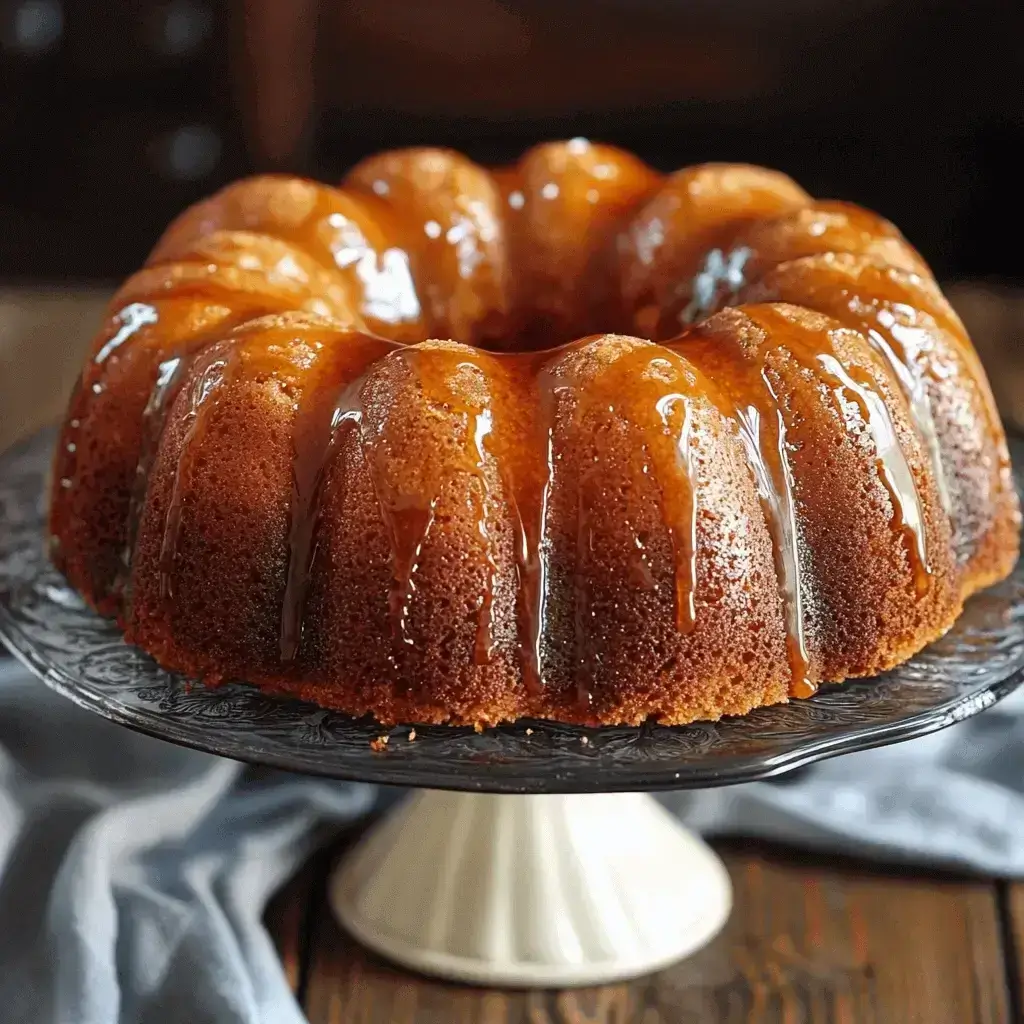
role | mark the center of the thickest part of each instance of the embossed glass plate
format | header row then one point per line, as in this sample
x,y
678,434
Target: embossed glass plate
x,y
83,656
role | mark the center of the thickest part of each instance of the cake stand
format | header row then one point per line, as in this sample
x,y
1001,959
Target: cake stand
x,y
532,854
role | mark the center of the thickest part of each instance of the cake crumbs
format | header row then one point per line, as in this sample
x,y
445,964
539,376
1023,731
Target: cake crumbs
x,y
529,732
412,735
585,740
379,743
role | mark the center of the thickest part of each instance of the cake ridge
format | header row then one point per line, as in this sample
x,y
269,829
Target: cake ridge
x,y
908,321
170,376
892,464
435,367
321,409
215,370
751,398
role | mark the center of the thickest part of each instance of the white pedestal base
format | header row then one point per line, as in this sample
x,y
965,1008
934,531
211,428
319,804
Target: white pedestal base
x,y
525,891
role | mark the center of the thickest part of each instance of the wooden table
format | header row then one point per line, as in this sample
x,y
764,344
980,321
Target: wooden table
x,y
812,941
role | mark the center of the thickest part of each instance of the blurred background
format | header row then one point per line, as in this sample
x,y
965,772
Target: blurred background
x,y
115,115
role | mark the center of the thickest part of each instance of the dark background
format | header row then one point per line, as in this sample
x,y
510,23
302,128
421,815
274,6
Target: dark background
x,y
115,115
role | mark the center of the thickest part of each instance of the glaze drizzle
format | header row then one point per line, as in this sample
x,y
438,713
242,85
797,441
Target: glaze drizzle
x,y
743,368
891,465
318,417
204,387
648,391
763,433
170,375
423,241
531,497
436,370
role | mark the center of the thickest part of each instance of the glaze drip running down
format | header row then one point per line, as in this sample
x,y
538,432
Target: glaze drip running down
x,y
568,439
320,414
895,473
169,377
749,394
530,485
200,408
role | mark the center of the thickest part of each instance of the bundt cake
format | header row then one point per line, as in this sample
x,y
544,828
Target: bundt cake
x,y
782,467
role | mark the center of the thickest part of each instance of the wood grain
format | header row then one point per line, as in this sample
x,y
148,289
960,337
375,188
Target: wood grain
x,y
807,944
286,920
1013,905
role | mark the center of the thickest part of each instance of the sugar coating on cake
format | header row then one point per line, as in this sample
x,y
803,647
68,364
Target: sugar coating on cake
x,y
570,439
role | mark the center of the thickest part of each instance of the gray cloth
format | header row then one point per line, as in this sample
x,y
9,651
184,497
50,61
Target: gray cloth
x,y
133,874
954,799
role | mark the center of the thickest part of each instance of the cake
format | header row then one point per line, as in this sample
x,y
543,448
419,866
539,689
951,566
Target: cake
x,y
569,440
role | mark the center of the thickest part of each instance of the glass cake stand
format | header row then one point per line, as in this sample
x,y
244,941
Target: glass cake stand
x,y
532,854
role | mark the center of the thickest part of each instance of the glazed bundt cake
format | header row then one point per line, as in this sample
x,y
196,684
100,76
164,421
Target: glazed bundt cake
x,y
782,467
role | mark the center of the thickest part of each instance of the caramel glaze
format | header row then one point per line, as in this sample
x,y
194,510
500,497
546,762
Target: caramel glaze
x,y
327,403
827,226
213,372
564,205
631,442
448,213
749,392
601,532
647,393
696,211
353,235
414,470
103,458
907,320
409,510
816,406
160,318
855,266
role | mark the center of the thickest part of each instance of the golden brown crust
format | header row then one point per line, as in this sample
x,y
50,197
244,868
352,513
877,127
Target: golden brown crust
x,y
564,204
861,605
447,212
351,236
901,307
696,210
263,479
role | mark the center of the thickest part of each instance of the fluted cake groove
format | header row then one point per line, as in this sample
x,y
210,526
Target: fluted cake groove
x,y
769,459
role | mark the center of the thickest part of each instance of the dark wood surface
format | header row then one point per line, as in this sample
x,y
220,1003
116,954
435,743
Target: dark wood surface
x,y
812,940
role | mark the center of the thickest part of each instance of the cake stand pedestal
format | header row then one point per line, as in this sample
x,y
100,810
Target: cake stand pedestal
x,y
539,891
531,856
